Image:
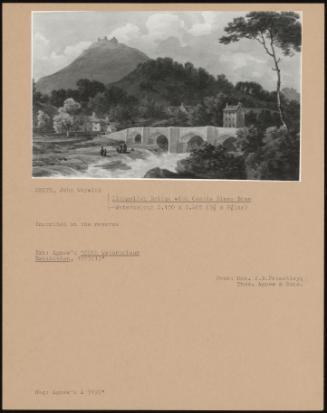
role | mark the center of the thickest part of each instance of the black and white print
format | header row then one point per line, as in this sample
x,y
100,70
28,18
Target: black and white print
x,y
167,95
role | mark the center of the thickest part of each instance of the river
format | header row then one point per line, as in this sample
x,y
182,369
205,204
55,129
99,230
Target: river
x,y
83,163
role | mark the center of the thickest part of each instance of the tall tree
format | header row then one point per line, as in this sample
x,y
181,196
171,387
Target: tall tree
x,y
43,120
273,30
66,117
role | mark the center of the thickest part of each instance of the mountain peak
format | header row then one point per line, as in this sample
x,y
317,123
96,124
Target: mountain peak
x,y
105,60
105,39
105,42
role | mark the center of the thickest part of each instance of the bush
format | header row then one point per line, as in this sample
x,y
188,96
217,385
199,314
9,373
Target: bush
x,y
213,162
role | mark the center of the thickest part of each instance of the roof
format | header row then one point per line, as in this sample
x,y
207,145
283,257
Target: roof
x,y
233,108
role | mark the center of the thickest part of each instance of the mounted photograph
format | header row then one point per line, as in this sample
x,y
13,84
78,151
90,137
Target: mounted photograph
x,y
167,95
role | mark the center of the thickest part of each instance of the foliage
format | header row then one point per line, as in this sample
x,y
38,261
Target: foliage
x,y
224,85
172,83
248,140
272,30
213,162
181,118
123,116
210,110
63,122
292,114
272,155
43,120
280,156
98,104
150,109
65,119
88,89
38,97
282,28
57,97
71,106
262,119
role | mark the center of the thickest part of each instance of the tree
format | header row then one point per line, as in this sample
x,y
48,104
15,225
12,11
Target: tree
x,y
212,162
115,95
58,97
250,88
272,30
224,85
280,155
88,88
38,97
249,140
200,116
98,104
43,120
65,120
181,118
210,110
71,106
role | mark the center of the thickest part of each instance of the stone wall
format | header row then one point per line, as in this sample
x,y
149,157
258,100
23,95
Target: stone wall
x,y
177,136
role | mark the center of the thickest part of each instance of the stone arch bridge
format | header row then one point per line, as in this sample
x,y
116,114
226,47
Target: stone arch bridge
x,y
173,139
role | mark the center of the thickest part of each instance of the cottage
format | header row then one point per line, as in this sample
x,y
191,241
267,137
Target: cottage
x,y
96,124
234,116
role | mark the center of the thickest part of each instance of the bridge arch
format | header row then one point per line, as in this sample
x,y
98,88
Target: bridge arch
x,y
189,141
160,139
138,138
230,143
162,142
134,136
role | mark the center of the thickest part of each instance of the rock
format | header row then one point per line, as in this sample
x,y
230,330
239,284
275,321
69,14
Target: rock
x,y
114,165
165,173
160,173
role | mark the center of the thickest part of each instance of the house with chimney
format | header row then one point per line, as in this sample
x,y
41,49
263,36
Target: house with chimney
x,y
234,116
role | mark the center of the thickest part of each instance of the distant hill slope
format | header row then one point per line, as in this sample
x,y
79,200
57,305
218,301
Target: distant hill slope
x,y
291,94
167,81
105,60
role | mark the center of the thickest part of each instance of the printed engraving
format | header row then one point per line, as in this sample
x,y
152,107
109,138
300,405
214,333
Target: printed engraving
x,y
167,95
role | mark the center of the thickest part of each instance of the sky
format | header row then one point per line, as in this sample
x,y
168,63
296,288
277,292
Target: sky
x,y
188,36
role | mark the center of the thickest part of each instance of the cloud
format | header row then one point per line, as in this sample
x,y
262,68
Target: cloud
x,y
47,60
75,50
209,23
40,45
157,28
241,60
160,26
127,33
184,36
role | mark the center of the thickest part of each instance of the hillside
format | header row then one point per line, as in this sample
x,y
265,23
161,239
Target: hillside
x,y
105,60
171,83
167,81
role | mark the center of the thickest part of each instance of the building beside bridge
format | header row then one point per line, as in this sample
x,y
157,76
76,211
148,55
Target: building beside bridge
x,y
234,116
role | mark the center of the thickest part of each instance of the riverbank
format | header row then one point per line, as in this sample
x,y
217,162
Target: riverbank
x,y
80,158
